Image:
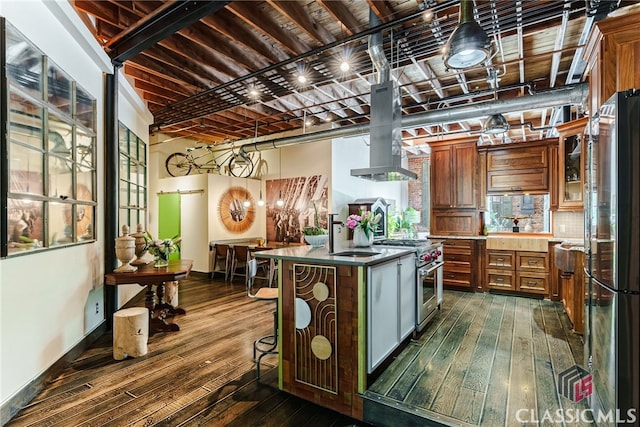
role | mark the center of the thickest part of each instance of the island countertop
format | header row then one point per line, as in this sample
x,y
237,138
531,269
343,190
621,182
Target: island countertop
x,y
321,255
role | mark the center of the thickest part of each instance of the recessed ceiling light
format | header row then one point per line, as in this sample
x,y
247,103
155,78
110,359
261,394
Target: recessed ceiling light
x,y
302,78
345,66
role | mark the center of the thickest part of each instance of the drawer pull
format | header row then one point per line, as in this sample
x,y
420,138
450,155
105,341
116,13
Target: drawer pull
x,y
499,279
533,261
451,276
500,259
532,282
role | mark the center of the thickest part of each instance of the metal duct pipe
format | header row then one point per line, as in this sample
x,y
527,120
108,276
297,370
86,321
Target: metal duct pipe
x,y
573,94
376,51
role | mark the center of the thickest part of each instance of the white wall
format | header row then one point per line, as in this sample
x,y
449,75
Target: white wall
x,y
48,299
352,153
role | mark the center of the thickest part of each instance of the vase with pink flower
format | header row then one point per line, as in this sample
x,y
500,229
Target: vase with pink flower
x,y
363,226
161,249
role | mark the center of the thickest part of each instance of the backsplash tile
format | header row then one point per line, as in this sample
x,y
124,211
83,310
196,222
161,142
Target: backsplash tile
x,y
568,225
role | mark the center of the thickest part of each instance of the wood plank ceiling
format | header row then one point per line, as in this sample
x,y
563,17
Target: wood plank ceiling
x,y
232,75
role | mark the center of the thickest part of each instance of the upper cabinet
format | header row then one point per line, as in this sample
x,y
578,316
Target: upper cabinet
x,y
453,176
518,169
612,54
453,188
571,164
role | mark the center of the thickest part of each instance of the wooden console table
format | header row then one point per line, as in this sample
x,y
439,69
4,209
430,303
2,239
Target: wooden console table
x,y
148,275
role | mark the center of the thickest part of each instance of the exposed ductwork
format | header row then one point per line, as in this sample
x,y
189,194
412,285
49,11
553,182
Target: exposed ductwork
x,y
385,133
567,95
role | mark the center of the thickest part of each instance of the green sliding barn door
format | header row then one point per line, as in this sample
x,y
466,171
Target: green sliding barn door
x,y
169,218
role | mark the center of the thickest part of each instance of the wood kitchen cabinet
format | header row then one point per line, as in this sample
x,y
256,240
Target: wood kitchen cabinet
x,y
453,188
453,176
571,164
518,169
459,255
573,294
553,177
519,271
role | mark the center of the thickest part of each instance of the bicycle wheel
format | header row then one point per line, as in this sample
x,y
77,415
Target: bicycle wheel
x,y
241,165
177,164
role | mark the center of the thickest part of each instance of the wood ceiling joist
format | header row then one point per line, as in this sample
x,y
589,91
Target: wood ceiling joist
x,y
202,56
341,13
172,65
382,10
249,12
204,36
146,87
233,28
141,69
296,13
163,22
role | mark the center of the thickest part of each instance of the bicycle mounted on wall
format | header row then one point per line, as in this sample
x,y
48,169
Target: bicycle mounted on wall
x,y
204,159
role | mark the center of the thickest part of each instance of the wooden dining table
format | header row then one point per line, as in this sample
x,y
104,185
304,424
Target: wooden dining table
x,y
150,276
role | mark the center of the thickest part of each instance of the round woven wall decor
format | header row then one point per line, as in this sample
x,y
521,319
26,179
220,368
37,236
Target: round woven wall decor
x,y
236,217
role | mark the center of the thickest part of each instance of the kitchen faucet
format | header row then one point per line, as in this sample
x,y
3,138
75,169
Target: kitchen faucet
x,y
332,222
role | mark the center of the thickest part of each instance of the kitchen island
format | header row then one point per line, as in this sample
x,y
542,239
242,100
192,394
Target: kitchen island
x,y
340,317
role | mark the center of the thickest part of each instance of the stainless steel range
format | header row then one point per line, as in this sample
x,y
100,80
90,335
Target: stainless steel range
x,y
429,262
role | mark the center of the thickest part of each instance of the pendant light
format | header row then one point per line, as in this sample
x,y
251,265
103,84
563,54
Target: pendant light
x,y
260,200
469,44
496,123
246,202
280,202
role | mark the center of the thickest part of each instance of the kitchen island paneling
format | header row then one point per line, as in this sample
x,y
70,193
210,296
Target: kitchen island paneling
x,y
329,340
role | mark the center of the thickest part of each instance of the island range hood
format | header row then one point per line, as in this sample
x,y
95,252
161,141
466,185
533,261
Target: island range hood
x,y
385,137
385,131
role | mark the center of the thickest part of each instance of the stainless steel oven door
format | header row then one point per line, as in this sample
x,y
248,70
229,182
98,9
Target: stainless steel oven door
x,y
429,280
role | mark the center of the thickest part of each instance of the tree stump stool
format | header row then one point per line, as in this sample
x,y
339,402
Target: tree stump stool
x,y
130,332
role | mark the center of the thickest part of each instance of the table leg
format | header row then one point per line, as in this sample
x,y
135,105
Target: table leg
x,y
171,309
156,320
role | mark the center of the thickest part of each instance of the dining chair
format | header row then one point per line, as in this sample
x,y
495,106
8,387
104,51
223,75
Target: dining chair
x,y
267,344
239,258
221,254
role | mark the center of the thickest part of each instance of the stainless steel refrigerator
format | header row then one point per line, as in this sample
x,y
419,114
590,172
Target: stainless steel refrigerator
x,y
612,237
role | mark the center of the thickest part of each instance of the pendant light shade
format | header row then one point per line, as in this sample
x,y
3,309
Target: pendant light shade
x,y
469,44
495,124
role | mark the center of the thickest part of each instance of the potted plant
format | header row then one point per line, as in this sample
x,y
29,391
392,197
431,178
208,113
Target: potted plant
x,y
315,235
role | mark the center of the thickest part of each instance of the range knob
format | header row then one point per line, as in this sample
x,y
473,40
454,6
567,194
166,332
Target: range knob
x,y
426,257
439,252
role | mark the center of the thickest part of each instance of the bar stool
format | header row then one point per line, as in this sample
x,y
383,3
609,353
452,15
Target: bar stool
x,y
267,344
222,253
263,264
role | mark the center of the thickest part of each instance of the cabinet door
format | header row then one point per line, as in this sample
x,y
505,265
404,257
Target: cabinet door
x,y
408,288
464,172
382,318
571,165
456,222
441,178
553,177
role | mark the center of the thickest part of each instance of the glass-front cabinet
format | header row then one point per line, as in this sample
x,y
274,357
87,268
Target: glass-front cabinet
x,y
571,165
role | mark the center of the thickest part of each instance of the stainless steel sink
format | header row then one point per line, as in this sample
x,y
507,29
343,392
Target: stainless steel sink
x,y
356,253
565,257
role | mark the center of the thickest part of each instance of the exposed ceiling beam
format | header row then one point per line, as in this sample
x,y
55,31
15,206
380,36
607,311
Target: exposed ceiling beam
x,y
166,21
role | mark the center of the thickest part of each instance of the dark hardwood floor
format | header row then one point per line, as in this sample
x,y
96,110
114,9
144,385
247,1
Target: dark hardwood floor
x,y
200,375
483,358
480,360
